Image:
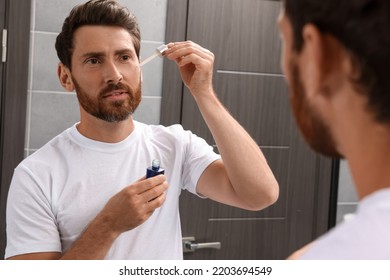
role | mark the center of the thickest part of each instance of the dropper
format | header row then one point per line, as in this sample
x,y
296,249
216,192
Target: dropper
x,y
159,52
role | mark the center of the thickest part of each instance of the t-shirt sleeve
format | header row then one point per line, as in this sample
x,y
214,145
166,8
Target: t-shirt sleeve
x,y
197,156
31,224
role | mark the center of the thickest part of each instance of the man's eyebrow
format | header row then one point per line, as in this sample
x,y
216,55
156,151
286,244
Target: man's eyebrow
x,y
92,54
121,51
100,54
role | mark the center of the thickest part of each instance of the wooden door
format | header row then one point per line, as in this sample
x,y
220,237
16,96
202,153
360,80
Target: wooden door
x,y
15,17
244,37
2,197
2,24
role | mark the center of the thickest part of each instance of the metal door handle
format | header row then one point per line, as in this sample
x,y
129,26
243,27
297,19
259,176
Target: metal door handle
x,y
195,246
190,246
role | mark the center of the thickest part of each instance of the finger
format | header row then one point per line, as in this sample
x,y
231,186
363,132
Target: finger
x,y
143,184
181,49
199,62
182,53
178,45
155,203
141,179
151,194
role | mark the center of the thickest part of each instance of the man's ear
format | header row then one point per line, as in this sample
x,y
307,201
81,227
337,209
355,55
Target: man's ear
x,y
322,58
65,77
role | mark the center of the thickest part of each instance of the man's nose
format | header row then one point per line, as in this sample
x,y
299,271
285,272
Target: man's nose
x,y
112,74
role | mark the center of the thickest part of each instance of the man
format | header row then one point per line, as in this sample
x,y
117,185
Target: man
x,y
335,58
84,194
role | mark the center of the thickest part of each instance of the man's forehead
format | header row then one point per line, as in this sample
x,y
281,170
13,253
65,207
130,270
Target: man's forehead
x,y
102,37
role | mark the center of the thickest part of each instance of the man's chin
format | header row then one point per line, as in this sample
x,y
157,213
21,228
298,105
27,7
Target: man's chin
x,y
114,117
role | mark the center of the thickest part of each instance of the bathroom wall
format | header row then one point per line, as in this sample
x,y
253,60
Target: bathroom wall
x,y
50,108
347,197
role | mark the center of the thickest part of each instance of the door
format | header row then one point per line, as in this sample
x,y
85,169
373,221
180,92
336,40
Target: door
x,y
2,196
15,18
2,24
244,37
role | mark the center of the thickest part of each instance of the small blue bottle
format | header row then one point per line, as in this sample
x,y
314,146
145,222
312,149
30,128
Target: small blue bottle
x,y
155,169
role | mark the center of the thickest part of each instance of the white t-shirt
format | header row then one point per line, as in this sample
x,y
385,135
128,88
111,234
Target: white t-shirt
x,y
366,236
59,189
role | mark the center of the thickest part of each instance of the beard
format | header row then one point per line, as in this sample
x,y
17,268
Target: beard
x,y
314,130
110,111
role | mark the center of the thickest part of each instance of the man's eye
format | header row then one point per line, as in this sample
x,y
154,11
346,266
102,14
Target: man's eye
x,y
125,57
92,61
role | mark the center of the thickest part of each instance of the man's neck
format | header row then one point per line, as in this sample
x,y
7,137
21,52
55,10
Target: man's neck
x,y
103,131
363,141
368,157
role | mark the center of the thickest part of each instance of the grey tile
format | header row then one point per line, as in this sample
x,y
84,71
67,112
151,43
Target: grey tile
x,y
149,110
31,59
45,63
30,152
26,153
28,120
343,210
33,14
347,192
152,72
151,15
50,115
50,14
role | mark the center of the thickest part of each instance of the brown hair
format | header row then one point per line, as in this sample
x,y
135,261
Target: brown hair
x,y
362,27
95,12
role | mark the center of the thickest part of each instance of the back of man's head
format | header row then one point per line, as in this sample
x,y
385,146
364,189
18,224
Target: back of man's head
x,y
362,27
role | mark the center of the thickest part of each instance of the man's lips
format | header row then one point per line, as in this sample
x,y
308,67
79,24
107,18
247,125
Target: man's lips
x,y
114,93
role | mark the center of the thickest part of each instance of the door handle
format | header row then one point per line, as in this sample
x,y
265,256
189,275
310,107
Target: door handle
x,y
189,245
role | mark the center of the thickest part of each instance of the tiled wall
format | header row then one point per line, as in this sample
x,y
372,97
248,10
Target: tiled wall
x,y
347,197
50,108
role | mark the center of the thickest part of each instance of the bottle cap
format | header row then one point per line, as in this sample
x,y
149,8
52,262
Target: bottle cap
x,y
155,164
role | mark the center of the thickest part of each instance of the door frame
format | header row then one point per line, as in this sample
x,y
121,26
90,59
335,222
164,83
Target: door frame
x,y
171,113
13,94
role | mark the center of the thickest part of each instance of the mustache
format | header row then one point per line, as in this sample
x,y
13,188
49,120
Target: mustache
x,y
112,87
